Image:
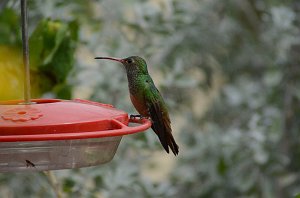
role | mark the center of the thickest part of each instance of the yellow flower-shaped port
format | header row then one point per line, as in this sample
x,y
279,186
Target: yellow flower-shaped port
x,y
22,114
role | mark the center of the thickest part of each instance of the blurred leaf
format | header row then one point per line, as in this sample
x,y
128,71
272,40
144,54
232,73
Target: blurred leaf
x,y
9,23
52,47
297,195
222,167
68,185
62,62
74,30
44,42
63,91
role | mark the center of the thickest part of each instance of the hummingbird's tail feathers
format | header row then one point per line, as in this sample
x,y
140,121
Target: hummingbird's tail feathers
x,y
161,125
172,144
158,127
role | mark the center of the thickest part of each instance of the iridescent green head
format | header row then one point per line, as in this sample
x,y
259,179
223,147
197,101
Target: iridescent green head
x,y
132,63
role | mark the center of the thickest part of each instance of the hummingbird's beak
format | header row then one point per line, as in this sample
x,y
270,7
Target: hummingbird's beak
x,y
110,58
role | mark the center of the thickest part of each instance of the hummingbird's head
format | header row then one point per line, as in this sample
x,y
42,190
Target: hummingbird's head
x,y
132,63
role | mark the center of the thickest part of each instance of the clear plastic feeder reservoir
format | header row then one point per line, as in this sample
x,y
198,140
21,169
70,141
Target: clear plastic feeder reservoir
x,y
60,134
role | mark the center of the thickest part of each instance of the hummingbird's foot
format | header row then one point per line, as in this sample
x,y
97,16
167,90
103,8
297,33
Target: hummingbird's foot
x,y
136,116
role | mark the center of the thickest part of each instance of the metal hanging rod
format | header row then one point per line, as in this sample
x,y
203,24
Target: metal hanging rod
x,y
25,52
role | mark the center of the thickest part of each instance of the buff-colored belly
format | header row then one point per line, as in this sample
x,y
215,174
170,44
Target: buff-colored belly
x,y
140,105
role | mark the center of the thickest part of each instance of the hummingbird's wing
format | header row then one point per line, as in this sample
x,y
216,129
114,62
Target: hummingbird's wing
x,y
161,123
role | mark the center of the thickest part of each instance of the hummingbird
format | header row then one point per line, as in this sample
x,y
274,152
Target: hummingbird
x,y
147,100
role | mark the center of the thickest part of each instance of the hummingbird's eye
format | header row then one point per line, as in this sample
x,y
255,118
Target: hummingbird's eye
x,y
129,60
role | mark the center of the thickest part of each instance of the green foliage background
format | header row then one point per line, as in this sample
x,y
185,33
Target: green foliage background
x,y
241,57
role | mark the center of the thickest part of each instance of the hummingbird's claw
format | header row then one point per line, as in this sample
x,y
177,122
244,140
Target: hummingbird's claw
x,y
136,116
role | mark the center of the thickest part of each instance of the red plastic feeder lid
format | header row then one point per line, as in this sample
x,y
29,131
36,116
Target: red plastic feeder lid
x,y
53,119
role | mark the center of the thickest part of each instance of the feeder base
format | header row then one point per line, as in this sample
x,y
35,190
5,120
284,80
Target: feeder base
x,y
54,155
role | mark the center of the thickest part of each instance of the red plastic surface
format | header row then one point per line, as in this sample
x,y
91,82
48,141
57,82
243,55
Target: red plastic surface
x,y
53,119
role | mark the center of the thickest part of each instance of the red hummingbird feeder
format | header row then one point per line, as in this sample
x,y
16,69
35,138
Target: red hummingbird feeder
x,y
59,134
51,134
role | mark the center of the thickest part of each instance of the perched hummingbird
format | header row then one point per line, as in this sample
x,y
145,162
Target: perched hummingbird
x,y
147,100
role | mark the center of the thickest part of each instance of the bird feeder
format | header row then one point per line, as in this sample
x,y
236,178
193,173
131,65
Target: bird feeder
x,y
58,134
51,134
